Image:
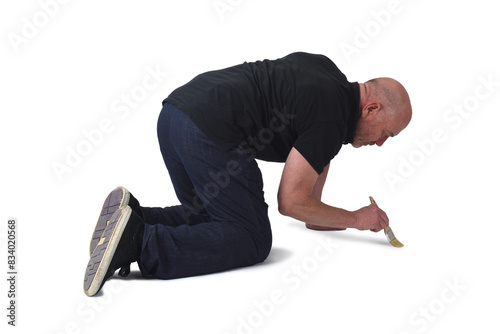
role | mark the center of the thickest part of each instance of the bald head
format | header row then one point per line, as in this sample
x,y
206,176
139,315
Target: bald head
x,y
391,94
384,111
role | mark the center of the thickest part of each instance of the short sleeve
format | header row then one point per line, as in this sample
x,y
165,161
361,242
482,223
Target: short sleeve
x,y
319,142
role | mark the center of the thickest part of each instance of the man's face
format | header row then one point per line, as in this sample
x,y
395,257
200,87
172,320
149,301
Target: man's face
x,y
374,129
370,137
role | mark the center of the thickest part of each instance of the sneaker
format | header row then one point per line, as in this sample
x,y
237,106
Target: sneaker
x,y
118,198
119,245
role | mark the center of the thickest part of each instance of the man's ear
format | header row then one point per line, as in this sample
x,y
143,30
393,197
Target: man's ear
x,y
371,109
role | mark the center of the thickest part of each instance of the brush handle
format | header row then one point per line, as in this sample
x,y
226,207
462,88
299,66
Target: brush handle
x,y
388,232
386,229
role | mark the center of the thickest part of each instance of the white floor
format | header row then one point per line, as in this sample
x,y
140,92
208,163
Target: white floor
x,y
89,78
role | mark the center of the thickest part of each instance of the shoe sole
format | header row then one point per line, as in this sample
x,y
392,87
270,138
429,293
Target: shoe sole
x,y
116,199
105,250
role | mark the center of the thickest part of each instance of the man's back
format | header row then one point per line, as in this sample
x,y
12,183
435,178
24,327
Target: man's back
x,y
267,107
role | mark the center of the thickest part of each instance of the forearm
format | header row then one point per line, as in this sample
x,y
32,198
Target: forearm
x,y
312,211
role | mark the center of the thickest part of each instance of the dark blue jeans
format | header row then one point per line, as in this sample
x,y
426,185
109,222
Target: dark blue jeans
x,y
222,222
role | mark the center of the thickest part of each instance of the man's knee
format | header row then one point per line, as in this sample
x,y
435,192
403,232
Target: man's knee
x,y
264,248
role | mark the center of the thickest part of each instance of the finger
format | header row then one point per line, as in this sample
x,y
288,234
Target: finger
x,y
385,219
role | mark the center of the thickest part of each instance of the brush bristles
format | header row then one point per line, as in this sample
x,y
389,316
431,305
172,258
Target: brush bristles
x,y
396,243
388,232
392,239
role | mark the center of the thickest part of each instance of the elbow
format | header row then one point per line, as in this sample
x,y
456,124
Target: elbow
x,y
282,208
286,207
292,204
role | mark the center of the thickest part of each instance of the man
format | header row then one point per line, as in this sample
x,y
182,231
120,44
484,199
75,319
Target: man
x,y
299,109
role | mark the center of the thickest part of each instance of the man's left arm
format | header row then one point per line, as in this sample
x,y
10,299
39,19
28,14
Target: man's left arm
x,y
317,193
299,196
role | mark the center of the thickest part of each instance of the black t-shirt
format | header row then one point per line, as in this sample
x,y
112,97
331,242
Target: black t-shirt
x,y
267,107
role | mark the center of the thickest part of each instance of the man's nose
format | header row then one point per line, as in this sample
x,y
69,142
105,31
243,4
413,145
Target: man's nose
x,y
381,141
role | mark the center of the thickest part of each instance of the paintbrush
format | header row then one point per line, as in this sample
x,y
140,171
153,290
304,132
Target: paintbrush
x,y
388,232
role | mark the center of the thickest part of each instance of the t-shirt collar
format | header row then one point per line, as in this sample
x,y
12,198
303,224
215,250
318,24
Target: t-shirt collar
x,y
352,122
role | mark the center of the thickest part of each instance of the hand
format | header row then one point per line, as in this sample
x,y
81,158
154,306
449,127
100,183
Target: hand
x,y
370,218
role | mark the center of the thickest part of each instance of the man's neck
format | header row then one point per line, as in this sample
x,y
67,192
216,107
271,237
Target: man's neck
x,y
363,95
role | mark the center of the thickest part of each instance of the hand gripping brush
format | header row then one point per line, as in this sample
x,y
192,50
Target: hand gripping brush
x,y
388,232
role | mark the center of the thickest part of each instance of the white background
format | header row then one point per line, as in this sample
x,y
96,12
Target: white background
x,y
69,74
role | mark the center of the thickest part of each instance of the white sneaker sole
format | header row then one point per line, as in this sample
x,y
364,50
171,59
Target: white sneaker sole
x,y
116,199
105,250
